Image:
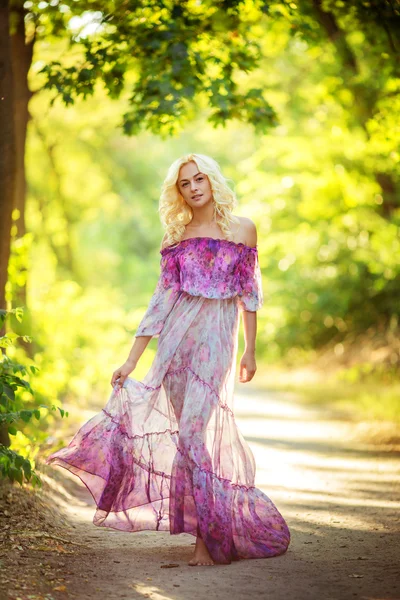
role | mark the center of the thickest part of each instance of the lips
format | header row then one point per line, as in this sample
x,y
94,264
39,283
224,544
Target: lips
x,y
197,197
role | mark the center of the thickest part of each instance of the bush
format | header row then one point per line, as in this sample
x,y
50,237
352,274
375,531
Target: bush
x,y
14,412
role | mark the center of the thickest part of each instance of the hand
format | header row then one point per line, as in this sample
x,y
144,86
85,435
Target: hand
x,y
119,375
247,366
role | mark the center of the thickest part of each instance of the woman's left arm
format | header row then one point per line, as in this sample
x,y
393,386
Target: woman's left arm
x,y
248,361
251,299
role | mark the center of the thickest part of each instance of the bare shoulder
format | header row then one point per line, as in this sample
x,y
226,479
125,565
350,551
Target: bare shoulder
x,y
246,232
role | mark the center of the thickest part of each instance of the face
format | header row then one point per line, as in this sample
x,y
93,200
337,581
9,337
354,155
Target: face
x,y
194,186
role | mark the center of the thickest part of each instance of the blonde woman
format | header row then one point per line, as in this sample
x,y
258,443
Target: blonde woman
x,y
165,453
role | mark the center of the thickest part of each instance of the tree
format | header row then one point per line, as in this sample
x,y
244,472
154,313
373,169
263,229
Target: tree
x,y
7,144
176,52
7,159
370,75
179,56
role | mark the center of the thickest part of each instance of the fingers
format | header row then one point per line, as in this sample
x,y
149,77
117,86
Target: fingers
x,y
119,376
115,376
121,380
246,374
250,374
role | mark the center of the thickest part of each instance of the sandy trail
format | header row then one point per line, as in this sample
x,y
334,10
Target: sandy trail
x,y
340,497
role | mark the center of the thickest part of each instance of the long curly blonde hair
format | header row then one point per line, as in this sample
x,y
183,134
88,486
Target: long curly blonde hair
x,y
175,213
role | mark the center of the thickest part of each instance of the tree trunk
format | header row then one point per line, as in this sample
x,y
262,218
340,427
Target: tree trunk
x,y
7,159
7,146
22,52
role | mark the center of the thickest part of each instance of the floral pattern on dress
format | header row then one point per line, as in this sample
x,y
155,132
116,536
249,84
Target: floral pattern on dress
x,y
208,267
165,453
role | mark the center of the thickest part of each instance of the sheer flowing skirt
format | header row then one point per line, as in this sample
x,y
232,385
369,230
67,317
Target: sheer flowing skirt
x,y
165,453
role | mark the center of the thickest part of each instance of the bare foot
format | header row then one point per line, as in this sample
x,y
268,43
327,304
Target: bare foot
x,y
201,555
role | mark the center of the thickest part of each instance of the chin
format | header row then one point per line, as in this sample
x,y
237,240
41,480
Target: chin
x,y
202,202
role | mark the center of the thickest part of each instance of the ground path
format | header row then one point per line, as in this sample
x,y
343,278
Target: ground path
x,y
340,497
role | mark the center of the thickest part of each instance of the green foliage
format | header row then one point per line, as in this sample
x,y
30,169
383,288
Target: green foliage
x,y
328,231
16,468
322,185
329,180
13,411
170,57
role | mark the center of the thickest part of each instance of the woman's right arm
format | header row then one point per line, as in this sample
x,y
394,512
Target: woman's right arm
x,y
160,305
165,295
139,346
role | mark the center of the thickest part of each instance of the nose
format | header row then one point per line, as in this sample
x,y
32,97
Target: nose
x,y
193,185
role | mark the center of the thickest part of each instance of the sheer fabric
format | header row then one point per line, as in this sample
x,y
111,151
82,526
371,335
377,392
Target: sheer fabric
x,y
165,453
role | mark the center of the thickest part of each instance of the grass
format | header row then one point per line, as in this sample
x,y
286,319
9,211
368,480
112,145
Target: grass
x,y
366,400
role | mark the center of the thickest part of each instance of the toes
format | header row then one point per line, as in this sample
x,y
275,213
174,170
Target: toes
x,y
194,561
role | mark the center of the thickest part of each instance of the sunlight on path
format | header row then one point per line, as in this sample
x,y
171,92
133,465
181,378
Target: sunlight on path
x,y
304,460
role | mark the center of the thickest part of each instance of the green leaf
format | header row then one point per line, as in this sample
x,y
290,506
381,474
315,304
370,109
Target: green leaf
x,y
18,460
26,415
9,392
19,476
27,468
19,313
13,473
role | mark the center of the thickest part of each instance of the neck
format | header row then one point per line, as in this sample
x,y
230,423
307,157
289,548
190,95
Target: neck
x,y
203,216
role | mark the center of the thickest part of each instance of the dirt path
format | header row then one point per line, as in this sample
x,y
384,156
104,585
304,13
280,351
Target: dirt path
x,y
340,497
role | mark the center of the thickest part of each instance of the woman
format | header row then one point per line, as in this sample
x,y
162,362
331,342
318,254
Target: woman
x,y
165,453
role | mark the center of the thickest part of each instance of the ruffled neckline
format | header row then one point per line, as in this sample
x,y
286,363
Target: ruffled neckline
x,y
178,244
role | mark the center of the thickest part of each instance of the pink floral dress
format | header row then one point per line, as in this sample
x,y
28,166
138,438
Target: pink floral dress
x,y
165,453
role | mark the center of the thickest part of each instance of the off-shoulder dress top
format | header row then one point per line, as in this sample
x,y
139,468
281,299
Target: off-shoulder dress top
x,y
214,268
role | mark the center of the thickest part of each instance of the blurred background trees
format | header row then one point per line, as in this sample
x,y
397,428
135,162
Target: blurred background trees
x,y
298,101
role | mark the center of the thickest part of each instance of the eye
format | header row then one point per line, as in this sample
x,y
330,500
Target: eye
x,y
184,184
200,179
